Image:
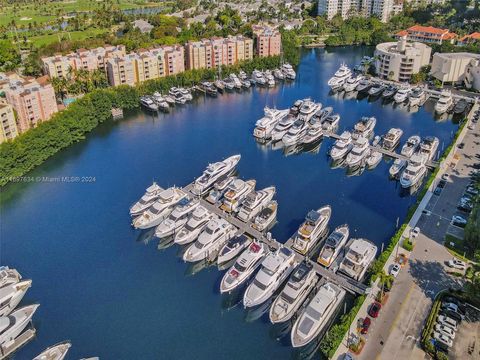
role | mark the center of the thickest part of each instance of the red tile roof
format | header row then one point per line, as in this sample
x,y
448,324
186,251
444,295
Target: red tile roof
x,y
428,29
402,33
473,36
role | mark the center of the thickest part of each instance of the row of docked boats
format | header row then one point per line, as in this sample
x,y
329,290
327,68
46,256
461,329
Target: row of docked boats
x,y
159,102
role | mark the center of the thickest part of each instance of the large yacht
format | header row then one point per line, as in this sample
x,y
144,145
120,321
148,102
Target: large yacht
x,y
288,71
258,78
317,314
333,245
55,352
402,95
9,276
264,126
307,110
148,103
211,239
160,209
322,114
244,266
196,223
219,189
428,147
330,124
177,218
311,229
295,133
237,192
359,256
314,133
340,77
11,295
417,97
444,102
151,194
266,217
364,128
213,173
414,172
275,269
233,247
352,83
389,92
392,138
299,286
342,146
359,153
412,144
255,202
363,86
11,326
282,127
397,167
376,90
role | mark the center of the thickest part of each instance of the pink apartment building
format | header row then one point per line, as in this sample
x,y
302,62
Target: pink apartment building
x,y
268,41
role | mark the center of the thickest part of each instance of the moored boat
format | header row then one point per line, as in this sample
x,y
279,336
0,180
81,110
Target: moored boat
x,y
392,138
311,229
412,144
333,245
233,247
55,352
152,193
266,217
359,256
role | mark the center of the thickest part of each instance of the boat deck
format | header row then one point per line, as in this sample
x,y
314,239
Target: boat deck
x,y
22,339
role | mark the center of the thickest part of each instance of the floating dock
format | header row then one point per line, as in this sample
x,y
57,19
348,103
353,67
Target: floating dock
x,y
22,339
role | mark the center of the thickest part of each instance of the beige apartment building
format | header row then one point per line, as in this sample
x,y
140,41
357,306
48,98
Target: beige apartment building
x,y
268,41
8,126
457,68
122,70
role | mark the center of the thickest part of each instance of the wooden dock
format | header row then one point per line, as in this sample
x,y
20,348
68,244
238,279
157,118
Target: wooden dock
x,y
22,339
246,227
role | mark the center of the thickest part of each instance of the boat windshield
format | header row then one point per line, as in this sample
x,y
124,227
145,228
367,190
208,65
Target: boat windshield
x,y
239,268
260,285
287,298
410,172
313,313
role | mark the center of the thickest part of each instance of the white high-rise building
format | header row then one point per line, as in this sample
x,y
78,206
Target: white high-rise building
x,y
328,8
382,8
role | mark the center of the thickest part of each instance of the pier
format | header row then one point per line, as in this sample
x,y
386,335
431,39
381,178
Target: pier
x,y
347,283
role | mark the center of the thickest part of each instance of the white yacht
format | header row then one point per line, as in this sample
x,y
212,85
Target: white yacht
x,y
266,217
359,153
333,245
414,172
196,223
402,95
151,195
258,78
211,239
363,86
428,147
392,138
376,90
299,286
213,173
11,326
314,133
359,256
342,146
331,123
275,269
11,295
237,192
160,209
412,144
255,202
340,77
270,80
317,314
56,352
236,81
322,114
307,110
279,74
233,247
295,133
219,189
264,126
288,71
364,128
352,83
282,127
397,167
389,92
148,103
311,229
417,97
177,218
373,159
444,102
244,266
9,276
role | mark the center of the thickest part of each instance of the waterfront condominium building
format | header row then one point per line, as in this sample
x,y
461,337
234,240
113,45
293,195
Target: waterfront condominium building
x,y
33,101
455,67
268,41
399,60
346,8
8,126
92,59
427,34
121,70
214,52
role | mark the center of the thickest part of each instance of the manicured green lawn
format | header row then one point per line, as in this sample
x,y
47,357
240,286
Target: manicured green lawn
x,y
74,35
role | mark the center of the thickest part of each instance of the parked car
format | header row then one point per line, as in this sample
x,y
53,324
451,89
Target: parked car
x,y
414,232
443,339
394,270
366,325
437,191
457,316
445,330
472,190
457,264
461,145
441,184
448,321
450,307
374,309
459,221
446,176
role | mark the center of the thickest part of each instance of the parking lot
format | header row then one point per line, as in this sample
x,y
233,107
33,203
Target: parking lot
x,y
467,340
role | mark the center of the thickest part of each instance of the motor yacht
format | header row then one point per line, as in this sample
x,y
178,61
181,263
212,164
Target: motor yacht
x,y
177,218
246,264
270,80
376,90
392,138
461,107
412,144
275,269
359,256
444,102
330,124
352,83
229,84
255,202
414,172
373,159
236,193
11,295
233,247
389,92
295,133
428,147
340,77
213,173
358,154
12,326
363,86
397,167
288,71
314,133
186,94
209,88
417,97
242,75
312,229
9,276
236,81
211,239
322,114
178,95
219,189
169,99
266,217
342,146
364,128
152,193
264,126
160,209
299,286
282,127
317,314
402,95
333,245
307,110
195,224
56,352
148,103
246,84
258,78
220,85
279,74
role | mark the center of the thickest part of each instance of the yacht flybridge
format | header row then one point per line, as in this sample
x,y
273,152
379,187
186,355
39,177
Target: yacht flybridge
x,y
414,172
412,144
282,127
417,97
402,95
307,110
352,83
195,224
364,128
11,295
266,217
295,133
340,77
288,71
444,102
333,245
236,193
359,153
311,229
392,138
359,256
428,147
151,195
177,218
342,146
264,126
255,202
213,173
233,247
9,276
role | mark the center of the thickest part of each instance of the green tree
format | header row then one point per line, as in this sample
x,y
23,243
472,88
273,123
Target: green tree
x,y
9,56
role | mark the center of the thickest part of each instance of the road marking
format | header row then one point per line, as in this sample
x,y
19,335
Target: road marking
x,y
401,308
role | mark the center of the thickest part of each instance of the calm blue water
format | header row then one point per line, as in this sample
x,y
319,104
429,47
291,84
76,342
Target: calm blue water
x,y
117,298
